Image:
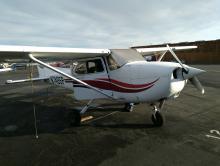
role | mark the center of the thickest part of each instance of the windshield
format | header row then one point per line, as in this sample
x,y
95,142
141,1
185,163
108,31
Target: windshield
x,y
112,64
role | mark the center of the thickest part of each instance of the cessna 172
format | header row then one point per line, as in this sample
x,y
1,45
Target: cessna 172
x,y
122,75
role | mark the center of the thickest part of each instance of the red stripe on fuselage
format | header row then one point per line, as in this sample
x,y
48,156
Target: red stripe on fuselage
x,y
126,85
117,86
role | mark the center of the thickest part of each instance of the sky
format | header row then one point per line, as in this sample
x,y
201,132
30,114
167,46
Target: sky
x,y
107,23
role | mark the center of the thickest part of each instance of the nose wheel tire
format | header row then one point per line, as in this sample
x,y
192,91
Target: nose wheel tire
x,y
157,119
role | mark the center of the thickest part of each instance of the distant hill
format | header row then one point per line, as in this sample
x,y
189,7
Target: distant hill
x,y
208,52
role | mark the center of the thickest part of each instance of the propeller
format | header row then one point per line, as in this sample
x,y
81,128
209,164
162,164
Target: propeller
x,y
189,72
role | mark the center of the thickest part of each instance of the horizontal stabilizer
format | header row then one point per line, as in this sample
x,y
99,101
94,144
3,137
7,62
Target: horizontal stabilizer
x,y
25,80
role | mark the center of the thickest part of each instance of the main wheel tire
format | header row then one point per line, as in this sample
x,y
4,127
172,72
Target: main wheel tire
x,y
74,118
128,107
157,119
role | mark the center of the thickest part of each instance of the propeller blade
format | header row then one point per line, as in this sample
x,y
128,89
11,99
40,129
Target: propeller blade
x,y
195,81
192,72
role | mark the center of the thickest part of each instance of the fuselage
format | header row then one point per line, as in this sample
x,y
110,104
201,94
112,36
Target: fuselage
x,y
134,82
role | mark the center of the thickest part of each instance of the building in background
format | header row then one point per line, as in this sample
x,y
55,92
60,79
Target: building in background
x,y
208,52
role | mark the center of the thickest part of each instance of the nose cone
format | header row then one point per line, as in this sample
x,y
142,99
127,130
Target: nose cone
x,y
192,72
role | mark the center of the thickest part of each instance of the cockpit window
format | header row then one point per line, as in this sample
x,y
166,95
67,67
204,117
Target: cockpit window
x,y
112,64
150,58
89,66
94,66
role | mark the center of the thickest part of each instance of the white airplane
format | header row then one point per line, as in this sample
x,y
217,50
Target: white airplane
x,y
122,75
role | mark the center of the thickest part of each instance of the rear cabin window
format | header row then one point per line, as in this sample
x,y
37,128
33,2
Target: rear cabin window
x,y
81,68
90,66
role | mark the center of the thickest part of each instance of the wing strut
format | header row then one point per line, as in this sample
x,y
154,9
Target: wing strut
x,y
161,57
69,76
185,70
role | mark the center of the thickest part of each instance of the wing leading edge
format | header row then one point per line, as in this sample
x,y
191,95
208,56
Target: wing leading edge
x,y
52,53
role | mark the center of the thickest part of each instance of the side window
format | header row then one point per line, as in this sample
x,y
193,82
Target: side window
x,y
90,66
94,66
150,58
81,68
112,64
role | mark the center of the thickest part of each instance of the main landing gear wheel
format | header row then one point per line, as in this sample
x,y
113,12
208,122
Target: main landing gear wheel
x,y
128,107
74,118
157,119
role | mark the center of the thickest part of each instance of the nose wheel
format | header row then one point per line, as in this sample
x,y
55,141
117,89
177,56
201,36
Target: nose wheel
x,y
157,117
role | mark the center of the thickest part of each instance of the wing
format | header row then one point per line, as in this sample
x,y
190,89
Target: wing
x,y
52,53
161,50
